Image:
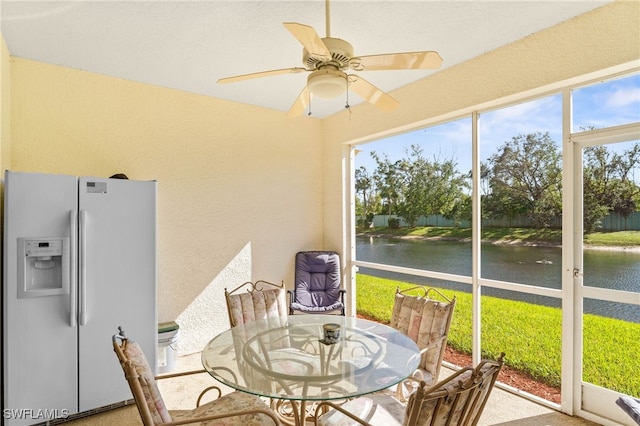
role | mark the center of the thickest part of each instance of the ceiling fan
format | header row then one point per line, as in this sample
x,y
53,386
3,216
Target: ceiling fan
x,y
327,59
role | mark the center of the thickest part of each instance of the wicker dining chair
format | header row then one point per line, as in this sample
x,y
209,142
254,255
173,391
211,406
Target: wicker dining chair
x,y
426,320
457,400
235,408
247,305
255,301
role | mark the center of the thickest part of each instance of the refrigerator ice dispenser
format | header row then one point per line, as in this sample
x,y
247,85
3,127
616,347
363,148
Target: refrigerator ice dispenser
x,y
43,267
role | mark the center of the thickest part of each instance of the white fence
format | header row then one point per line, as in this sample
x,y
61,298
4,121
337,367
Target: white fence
x,y
612,222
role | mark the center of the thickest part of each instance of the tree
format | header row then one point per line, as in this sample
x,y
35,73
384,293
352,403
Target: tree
x,y
447,190
364,186
387,181
463,203
608,184
427,187
415,171
525,177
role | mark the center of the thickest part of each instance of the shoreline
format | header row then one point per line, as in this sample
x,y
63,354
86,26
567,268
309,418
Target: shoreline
x,y
628,249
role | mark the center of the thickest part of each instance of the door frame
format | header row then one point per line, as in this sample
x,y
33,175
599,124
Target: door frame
x,y
584,399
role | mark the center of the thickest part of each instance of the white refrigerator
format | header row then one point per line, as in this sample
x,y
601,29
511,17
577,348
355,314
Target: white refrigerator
x,y
79,261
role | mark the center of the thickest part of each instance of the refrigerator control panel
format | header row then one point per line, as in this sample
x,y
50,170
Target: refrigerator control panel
x,y
43,267
41,248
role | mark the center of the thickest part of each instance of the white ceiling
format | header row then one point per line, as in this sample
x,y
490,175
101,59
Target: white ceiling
x,y
188,45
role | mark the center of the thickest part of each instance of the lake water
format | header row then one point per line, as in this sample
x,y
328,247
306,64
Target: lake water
x,y
540,266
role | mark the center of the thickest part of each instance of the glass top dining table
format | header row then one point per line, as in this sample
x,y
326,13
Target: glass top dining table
x,y
288,358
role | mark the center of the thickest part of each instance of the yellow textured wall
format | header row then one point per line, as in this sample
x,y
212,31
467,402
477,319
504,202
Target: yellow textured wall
x,y
5,123
5,106
239,189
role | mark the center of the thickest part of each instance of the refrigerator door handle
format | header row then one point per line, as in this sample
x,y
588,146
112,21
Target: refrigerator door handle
x,y
83,267
73,224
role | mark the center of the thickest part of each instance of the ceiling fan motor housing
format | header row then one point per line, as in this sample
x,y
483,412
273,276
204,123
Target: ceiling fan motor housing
x,y
341,53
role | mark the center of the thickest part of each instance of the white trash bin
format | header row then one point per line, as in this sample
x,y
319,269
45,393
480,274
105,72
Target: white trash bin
x,y
167,350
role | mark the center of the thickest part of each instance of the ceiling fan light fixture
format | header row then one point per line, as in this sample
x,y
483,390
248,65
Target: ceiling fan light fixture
x,y
327,83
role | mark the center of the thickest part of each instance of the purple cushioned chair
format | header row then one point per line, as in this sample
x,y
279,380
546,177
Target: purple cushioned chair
x,y
317,284
631,406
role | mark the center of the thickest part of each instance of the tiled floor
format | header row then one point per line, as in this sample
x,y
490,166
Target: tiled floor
x,y
503,408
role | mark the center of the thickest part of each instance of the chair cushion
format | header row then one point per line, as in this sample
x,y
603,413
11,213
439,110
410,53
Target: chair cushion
x,y
152,395
424,321
257,305
317,309
401,314
317,280
433,326
232,402
631,406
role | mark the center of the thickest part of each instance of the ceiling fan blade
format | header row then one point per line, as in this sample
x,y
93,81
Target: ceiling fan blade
x,y
426,60
300,104
371,93
260,74
310,40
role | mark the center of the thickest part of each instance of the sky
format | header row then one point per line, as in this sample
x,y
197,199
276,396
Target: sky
x,y
603,105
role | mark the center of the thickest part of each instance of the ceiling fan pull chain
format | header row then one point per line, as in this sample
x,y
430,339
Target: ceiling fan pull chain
x,y
309,113
347,106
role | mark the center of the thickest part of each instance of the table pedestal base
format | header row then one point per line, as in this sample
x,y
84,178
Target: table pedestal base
x,y
294,413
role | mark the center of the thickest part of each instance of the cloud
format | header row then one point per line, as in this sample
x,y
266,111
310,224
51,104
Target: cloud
x,y
600,105
538,115
623,97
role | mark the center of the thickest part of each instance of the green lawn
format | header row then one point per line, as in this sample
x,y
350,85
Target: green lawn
x,y
523,235
619,238
529,334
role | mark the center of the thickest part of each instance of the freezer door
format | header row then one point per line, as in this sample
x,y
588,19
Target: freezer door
x,y
39,334
117,281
